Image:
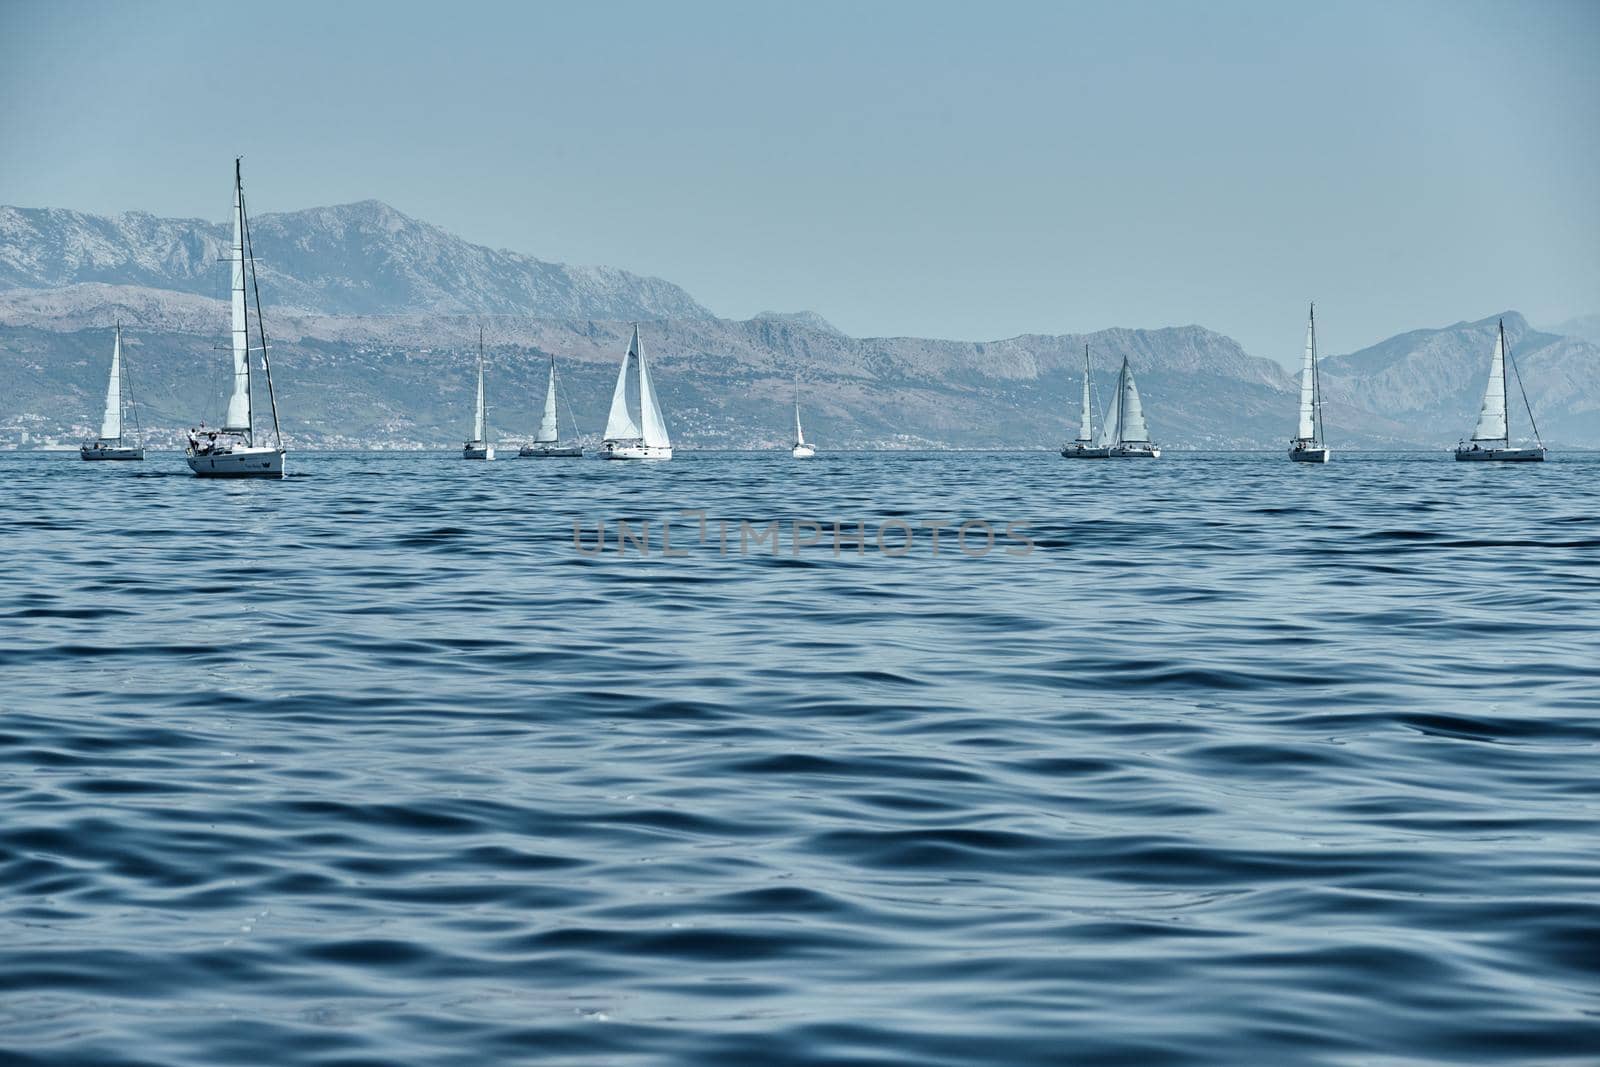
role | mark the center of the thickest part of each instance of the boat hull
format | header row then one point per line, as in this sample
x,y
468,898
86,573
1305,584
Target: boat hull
x,y
1078,451
238,463
1500,455
1133,452
551,452
802,452
111,452
477,450
1310,455
634,450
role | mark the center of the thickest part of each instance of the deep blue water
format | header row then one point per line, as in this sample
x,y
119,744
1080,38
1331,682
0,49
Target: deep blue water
x,y
1245,762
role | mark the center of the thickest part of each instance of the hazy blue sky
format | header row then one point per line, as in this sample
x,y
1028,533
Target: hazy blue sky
x,y
974,171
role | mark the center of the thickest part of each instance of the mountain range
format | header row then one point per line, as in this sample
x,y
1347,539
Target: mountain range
x,y
374,319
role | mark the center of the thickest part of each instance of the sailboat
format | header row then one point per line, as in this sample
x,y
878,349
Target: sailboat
x,y
624,439
1491,440
109,445
1083,446
1309,446
232,451
547,445
478,447
801,450
1123,433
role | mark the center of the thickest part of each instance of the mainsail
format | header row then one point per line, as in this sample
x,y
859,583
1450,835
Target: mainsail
x,y
548,431
799,434
477,415
1130,413
1085,421
1492,416
619,424
238,417
1111,425
1308,383
655,429
111,422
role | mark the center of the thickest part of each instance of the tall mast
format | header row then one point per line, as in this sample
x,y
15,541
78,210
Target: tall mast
x,y
1122,393
261,326
1086,418
249,379
1505,391
1316,379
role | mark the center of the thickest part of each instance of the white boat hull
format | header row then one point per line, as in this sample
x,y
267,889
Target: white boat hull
x,y
1310,455
1130,451
1500,455
237,463
551,452
802,452
477,450
102,450
634,450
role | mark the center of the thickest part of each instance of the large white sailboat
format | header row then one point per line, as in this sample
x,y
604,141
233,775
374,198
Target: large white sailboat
x,y
232,451
547,445
801,450
625,439
1491,440
1083,446
1123,433
479,447
1309,446
111,444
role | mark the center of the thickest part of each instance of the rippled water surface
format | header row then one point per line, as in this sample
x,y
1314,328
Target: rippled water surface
x,y
1245,762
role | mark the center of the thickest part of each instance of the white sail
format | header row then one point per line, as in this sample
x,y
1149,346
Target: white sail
x,y
619,424
1492,416
238,417
1308,383
799,434
1111,425
1128,411
655,429
548,431
1085,420
111,422
477,414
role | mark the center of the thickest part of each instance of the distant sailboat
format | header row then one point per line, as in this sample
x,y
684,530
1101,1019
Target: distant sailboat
x,y
1124,434
232,452
110,445
1491,441
1083,447
1309,446
479,447
623,438
547,445
801,450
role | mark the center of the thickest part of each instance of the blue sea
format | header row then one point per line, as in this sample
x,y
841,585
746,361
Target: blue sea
x,y
1209,760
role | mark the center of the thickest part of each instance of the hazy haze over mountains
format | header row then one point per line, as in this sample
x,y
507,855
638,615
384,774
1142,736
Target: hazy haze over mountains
x,y
374,318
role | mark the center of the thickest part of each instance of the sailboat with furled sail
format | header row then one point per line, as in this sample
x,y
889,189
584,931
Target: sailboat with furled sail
x,y
547,445
1083,446
232,451
479,447
111,444
624,438
1491,440
1124,434
1309,446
